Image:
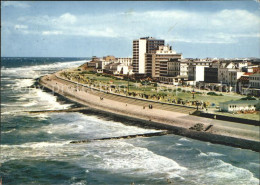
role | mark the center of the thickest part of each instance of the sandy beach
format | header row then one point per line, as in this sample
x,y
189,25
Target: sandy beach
x,y
176,118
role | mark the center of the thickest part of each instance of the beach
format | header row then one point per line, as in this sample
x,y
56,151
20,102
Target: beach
x,y
179,121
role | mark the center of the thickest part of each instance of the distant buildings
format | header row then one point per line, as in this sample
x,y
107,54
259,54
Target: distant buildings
x,y
152,58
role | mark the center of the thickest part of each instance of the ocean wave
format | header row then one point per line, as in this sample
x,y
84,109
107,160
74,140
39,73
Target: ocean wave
x,y
214,154
116,156
184,139
21,83
43,100
85,126
216,170
119,156
36,71
9,131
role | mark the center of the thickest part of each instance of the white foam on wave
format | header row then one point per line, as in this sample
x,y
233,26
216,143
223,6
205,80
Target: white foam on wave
x,y
113,156
215,154
217,170
9,131
36,99
8,105
35,71
202,154
5,78
227,171
184,139
121,157
21,83
86,126
48,101
31,103
37,150
31,98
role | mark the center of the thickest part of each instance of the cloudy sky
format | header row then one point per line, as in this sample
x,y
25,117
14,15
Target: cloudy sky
x,y
81,29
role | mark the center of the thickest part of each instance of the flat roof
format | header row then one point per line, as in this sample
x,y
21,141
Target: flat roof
x,y
241,102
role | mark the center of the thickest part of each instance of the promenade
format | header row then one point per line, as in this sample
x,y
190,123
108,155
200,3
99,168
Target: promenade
x,y
167,115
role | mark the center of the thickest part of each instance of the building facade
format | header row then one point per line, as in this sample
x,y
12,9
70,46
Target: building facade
x,y
126,61
140,48
159,63
211,75
235,106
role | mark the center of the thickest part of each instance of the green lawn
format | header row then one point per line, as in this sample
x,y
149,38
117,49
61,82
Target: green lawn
x,y
155,92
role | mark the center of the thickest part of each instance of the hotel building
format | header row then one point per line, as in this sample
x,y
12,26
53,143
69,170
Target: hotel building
x,y
140,48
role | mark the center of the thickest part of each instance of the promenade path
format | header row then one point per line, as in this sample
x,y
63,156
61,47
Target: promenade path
x,y
167,114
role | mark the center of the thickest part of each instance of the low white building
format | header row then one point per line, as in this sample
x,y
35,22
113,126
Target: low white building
x,y
117,69
240,105
102,63
126,61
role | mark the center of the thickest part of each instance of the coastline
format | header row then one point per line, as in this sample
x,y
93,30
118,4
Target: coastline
x,y
222,132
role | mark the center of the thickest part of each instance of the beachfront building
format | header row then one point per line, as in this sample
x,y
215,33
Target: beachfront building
x,y
229,77
102,63
229,72
157,64
240,105
243,83
211,73
126,61
196,72
178,67
254,85
109,58
118,69
251,69
140,48
92,64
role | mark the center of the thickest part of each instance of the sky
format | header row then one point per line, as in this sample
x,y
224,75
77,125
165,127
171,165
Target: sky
x,y
197,29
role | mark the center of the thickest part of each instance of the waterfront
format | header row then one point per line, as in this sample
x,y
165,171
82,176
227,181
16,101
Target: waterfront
x,y
35,147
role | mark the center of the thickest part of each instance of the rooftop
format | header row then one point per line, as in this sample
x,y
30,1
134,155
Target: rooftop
x,y
254,102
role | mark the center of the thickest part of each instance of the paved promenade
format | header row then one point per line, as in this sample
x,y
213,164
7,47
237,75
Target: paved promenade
x,y
177,116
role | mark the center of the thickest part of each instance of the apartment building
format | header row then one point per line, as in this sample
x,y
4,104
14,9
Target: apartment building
x,y
159,63
211,73
140,48
229,73
178,68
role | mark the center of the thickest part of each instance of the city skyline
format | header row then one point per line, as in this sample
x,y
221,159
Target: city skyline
x,y
83,29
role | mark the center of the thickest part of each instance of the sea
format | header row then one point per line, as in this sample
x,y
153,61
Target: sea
x,y
36,148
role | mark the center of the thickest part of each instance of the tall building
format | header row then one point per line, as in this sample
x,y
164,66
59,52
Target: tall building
x,y
140,48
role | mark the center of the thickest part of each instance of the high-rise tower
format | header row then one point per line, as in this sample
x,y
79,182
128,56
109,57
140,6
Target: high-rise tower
x,y
140,48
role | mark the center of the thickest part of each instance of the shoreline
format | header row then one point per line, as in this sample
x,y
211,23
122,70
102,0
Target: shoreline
x,y
222,132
